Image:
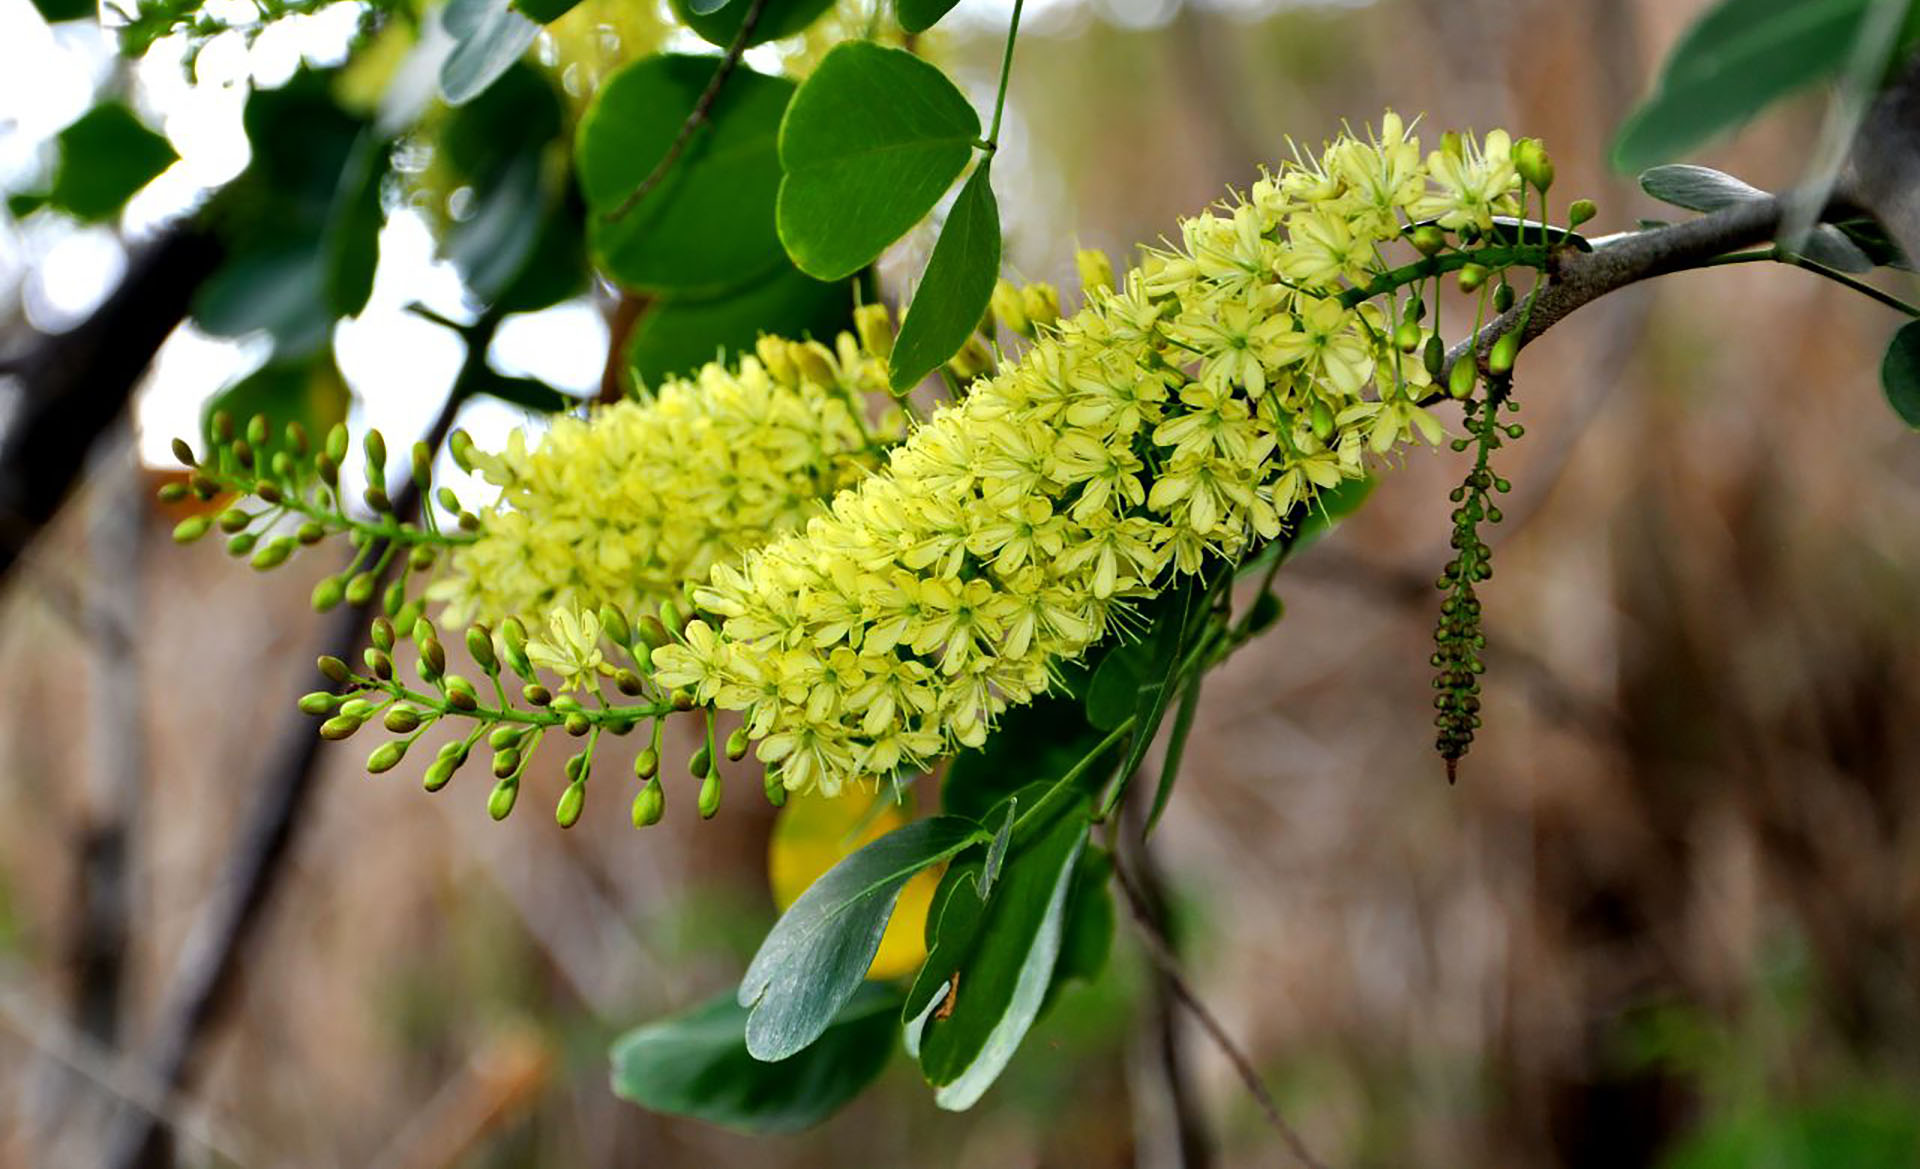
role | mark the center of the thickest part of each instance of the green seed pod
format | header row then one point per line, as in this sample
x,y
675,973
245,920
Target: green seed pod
x,y
1434,357
649,805
378,664
567,812
360,588
646,764
1472,277
234,520
480,649
184,453
577,724
710,796
191,529
774,788
460,693
402,720
1503,297
339,727
310,533
1463,376
1500,357
1429,239
386,757
422,465
506,762
628,683
1581,211
273,554
332,668
500,803
536,694
1320,416
242,544
1406,337
318,702
382,634
737,744
613,623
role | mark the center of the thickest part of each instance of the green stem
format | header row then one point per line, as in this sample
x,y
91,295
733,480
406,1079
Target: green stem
x,y
1042,809
1006,73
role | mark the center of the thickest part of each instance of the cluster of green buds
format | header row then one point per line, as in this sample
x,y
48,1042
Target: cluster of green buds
x,y
1458,636
520,698
285,494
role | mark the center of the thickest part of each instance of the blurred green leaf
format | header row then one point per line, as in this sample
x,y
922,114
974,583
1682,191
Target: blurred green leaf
x,y
707,226
352,238
1900,374
958,283
778,19
921,15
816,956
696,1064
105,156
544,11
681,334
1003,980
274,289
1863,1130
953,920
1697,188
55,11
706,7
310,392
1038,741
1739,58
873,139
489,37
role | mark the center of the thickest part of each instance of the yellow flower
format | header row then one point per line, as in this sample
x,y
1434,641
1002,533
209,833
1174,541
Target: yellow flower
x,y
573,651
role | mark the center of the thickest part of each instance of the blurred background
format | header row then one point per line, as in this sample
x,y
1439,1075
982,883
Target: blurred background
x,y
1670,914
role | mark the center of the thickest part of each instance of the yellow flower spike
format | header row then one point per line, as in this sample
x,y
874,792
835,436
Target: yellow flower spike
x,y
814,832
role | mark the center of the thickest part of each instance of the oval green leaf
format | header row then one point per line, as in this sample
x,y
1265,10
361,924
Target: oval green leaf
x,y
696,1065
707,225
679,335
106,156
489,36
778,18
921,15
871,142
816,956
958,284
1900,374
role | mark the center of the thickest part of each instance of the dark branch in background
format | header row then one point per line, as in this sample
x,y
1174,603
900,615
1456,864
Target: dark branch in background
x,y
702,109
76,383
215,949
622,319
1882,173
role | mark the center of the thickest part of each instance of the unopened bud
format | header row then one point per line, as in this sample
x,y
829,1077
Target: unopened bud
x,y
1533,162
500,802
310,533
1320,417
1009,308
1406,337
1461,380
1429,239
814,362
628,682
318,702
375,446
233,520
1096,270
1434,357
360,588
242,544
710,796
243,452
1580,211
1472,277
613,623
973,359
339,727
332,668
328,594
296,436
382,634
505,762
337,442
774,787
173,492
567,812
422,465
737,744
652,633
184,453
480,649
577,724
273,554
191,529
1500,357
402,720
222,426
646,764
648,805
257,430
1503,297
536,694
460,694
1042,304
378,664
460,446
874,326
386,757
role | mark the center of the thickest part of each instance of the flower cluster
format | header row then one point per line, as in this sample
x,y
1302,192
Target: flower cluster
x,y
1177,418
625,506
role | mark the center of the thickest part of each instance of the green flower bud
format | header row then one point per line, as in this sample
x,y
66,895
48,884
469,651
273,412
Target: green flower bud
x,y
1503,297
332,668
273,554
628,683
328,468
318,702
649,805
382,634
480,649
386,757
469,522
438,773
577,768
1530,158
184,453
1581,211
360,588
375,446
774,788
1320,417
681,700
506,762
257,430
874,326
221,424
357,708
1472,277
737,744
504,736
460,693
310,533
536,694
449,502
337,442
672,618
1096,270
567,812
402,720
173,492
395,597
243,452
460,446
422,465
1009,308
1042,304
242,544
653,634
202,486
233,520
378,664
1461,380
710,796
339,727
408,614
577,724
566,704
701,765
1500,357
296,439
1429,239
500,803
421,558
376,499
613,623
646,764
191,529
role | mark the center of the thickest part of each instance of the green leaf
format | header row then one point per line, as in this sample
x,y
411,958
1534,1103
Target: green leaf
x,y
1003,980
1900,374
489,37
544,11
953,921
55,11
270,289
997,851
1736,60
352,240
871,142
1039,741
1510,229
708,7
921,15
106,156
816,956
1088,940
681,334
310,392
956,288
778,19
1115,689
1177,621
707,226
1697,188
696,1064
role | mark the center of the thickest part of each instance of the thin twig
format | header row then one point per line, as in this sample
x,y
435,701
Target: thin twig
x,y
1169,965
702,110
